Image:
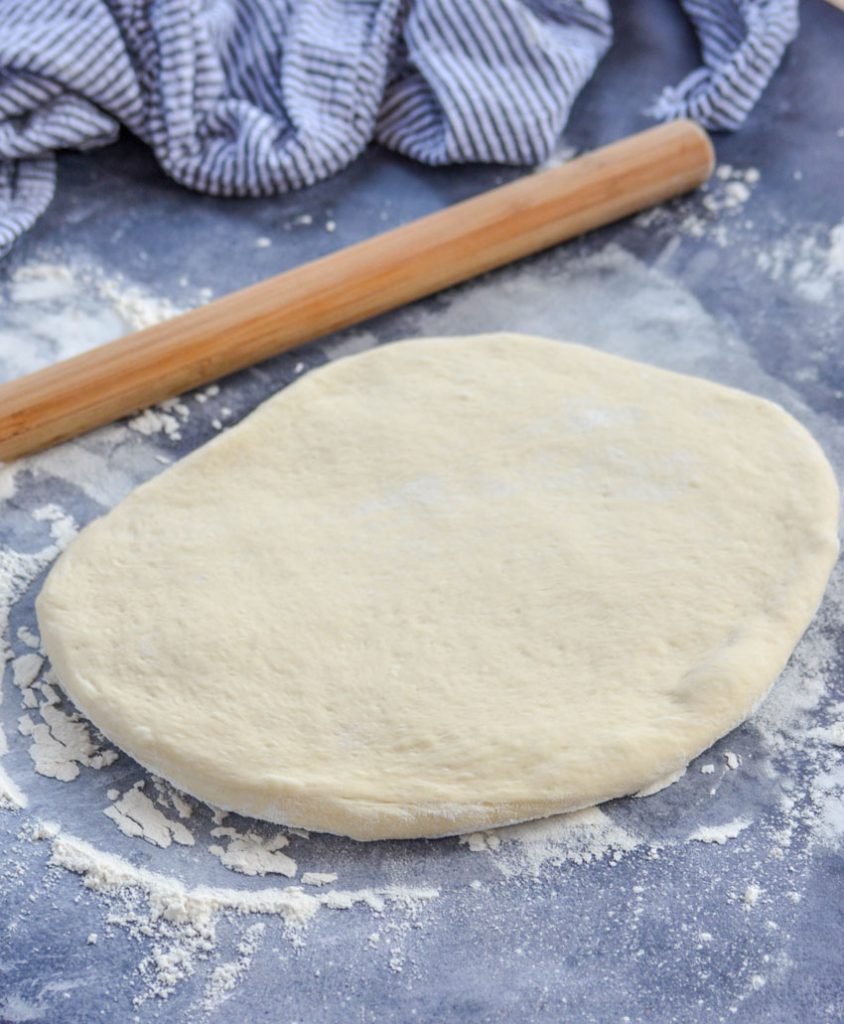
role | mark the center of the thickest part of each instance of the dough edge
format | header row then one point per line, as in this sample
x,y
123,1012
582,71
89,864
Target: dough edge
x,y
288,804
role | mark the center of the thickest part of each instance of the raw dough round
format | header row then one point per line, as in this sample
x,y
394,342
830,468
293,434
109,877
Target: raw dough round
x,y
449,584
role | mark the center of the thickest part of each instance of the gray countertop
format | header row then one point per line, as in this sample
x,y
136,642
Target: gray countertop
x,y
720,898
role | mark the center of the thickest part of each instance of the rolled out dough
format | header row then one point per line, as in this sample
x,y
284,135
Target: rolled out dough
x,y
449,584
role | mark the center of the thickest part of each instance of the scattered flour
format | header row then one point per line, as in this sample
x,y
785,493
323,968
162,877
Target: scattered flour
x,y
56,311
480,841
719,833
808,260
178,923
62,742
751,896
826,793
12,797
249,853
821,271
833,734
136,815
577,838
812,264
62,526
17,571
30,638
714,212
799,751
41,282
25,670
181,921
318,878
225,976
154,421
137,307
60,309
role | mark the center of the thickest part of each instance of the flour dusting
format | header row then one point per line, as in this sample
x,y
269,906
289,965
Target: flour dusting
x,y
714,212
12,797
225,976
318,878
791,748
578,838
719,834
181,921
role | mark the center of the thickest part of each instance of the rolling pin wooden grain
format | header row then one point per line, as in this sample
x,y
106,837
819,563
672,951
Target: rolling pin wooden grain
x,y
351,285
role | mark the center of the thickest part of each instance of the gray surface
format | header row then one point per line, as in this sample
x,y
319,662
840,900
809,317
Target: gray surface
x,y
578,943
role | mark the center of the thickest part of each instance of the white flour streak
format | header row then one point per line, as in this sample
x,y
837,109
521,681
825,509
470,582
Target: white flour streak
x,y
833,734
181,921
8,482
172,900
137,307
812,264
12,798
318,878
62,527
17,571
41,282
720,833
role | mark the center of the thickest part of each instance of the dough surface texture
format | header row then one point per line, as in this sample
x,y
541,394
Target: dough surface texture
x,y
449,584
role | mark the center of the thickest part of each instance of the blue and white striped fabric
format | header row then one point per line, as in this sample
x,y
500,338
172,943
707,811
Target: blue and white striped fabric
x,y
742,44
258,97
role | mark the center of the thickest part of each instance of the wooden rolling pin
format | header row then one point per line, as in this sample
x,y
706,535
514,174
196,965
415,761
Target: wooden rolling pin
x,y
351,285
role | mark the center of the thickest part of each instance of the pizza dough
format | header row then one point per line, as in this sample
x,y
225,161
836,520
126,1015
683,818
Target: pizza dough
x,y
449,584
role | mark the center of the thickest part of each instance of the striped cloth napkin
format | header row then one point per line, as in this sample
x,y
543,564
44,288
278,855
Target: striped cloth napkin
x,y
257,97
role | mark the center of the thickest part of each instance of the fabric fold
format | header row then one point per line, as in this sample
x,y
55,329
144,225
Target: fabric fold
x,y
260,97
742,45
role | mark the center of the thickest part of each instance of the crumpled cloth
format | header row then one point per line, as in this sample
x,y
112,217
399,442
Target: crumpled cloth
x,y
258,97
